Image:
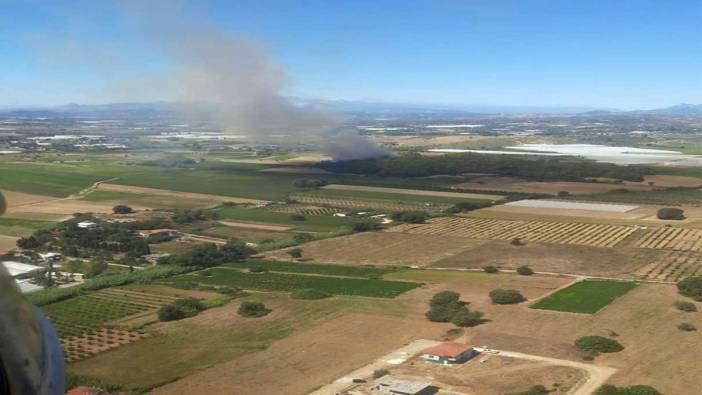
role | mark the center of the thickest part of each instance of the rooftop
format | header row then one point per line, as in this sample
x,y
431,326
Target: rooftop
x,y
448,349
19,268
405,386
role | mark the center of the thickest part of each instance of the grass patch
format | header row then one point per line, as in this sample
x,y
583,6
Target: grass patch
x,y
22,227
585,296
314,268
291,282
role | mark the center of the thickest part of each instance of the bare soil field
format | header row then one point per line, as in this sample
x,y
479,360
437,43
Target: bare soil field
x,y
15,199
556,258
496,375
59,209
7,242
257,226
673,181
417,192
572,233
175,194
246,234
383,248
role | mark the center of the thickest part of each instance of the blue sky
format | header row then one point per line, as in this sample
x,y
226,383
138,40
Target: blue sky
x,y
617,54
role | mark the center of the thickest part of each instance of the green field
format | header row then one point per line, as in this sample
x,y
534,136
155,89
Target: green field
x,y
313,268
157,201
84,314
392,197
312,223
22,227
585,296
291,282
50,179
663,197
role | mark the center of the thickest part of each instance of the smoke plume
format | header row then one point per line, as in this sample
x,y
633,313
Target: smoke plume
x,y
233,83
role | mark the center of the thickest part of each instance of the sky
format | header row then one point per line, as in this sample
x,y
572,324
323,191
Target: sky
x,y
599,53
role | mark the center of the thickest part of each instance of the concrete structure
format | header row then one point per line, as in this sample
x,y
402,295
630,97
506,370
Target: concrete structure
x,y
449,352
396,386
165,231
19,270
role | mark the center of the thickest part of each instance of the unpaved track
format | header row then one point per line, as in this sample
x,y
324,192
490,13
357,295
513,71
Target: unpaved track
x,y
258,226
597,375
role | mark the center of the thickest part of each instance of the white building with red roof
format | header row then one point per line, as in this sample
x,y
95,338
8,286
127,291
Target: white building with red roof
x,y
449,352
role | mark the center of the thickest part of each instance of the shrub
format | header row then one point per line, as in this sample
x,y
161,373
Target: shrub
x,y
309,183
516,242
467,318
490,269
179,309
170,312
506,296
302,237
691,287
444,313
535,390
295,252
412,217
298,217
309,294
670,213
563,193
444,298
525,271
598,344
687,327
685,306
257,269
122,209
253,309
365,226
378,373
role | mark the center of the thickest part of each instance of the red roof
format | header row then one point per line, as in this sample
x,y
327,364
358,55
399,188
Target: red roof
x,y
448,349
157,231
83,390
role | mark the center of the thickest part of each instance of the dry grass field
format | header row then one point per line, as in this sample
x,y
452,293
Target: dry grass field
x,y
175,194
7,242
417,192
678,239
672,266
383,248
364,203
572,233
15,199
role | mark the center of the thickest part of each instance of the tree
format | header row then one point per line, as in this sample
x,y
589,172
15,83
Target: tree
x,y
94,267
506,296
467,318
295,252
253,309
27,243
598,344
609,389
490,269
309,183
378,373
180,308
74,266
535,390
444,298
525,271
170,312
687,327
688,307
298,217
670,213
365,226
3,204
235,251
411,217
563,193
517,242
122,209
691,287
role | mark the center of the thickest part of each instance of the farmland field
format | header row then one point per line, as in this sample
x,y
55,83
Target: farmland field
x,y
22,227
312,268
414,192
355,203
673,266
311,223
678,239
588,296
663,197
302,209
289,282
595,235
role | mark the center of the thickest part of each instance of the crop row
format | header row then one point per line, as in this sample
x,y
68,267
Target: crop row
x,y
313,268
291,282
302,209
86,345
673,266
376,204
679,239
595,235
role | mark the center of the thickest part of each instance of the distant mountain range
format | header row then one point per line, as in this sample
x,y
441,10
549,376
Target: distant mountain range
x,y
170,109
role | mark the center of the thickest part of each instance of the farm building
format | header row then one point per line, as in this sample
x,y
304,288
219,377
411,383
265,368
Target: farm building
x,y
86,224
19,270
164,232
392,385
449,352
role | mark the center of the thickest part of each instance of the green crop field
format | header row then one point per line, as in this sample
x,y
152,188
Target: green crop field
x,y
314,268
50,179
312,223
291,282
664,197
585,296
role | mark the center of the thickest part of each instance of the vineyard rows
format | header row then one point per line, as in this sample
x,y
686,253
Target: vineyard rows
x,y
303,209
595,235
673,266
376,204
86,345
678,239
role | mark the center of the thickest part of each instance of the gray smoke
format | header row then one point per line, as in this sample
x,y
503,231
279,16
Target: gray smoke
x,y
241,91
